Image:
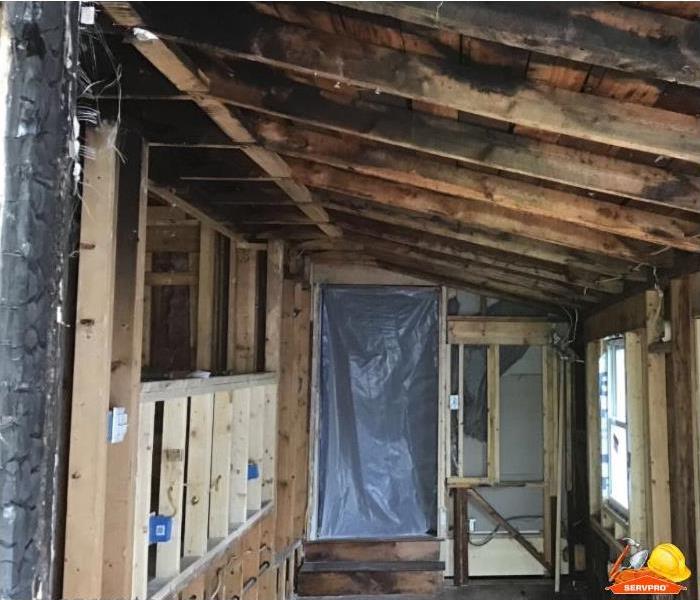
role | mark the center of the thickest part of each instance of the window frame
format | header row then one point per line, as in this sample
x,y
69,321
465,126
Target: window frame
x,y
609,418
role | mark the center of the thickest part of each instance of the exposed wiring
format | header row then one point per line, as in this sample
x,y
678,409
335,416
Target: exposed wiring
x,y
219,581
494,531
171,502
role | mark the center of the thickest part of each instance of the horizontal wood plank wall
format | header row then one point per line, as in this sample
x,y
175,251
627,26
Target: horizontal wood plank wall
x,y
87,468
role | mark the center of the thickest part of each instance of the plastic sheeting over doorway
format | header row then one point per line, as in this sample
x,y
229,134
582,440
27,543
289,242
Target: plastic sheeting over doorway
x,y
377,462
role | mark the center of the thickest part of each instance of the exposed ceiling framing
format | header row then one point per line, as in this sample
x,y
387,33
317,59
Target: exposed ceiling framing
x,y
465,143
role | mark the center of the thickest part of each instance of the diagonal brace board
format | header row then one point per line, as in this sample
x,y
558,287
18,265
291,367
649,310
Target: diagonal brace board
x,y
517,536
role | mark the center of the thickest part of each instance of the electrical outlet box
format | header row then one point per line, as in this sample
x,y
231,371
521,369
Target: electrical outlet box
x,y
117,424
454,401
472,525
160,529
253,470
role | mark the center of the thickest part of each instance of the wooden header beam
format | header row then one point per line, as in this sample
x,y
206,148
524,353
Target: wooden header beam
x,y
168,389
499,330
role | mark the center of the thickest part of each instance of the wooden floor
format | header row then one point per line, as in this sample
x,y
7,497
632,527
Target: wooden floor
x,y
480,589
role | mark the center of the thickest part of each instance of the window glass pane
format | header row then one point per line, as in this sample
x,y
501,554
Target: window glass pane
x,y
603,397
620,388
521,441
475,412
618,466
613,413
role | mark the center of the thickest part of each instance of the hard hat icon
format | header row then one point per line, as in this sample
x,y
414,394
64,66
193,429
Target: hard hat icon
x,y
667,561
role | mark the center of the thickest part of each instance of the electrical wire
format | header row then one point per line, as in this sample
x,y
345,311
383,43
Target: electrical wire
x,y
492,533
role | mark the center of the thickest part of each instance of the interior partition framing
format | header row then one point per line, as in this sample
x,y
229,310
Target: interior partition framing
x,y
493,333
202,436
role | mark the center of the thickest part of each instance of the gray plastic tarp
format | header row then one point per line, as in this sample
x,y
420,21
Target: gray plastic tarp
x,y
377,464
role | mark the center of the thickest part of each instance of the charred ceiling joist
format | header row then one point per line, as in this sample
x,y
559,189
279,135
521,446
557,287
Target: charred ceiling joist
x,y
503,156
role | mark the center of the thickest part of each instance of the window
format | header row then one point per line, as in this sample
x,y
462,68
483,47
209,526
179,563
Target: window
x,y
614,429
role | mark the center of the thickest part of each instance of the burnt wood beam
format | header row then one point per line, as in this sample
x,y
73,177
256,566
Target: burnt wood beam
x,y
604,34
411,169
178,69
474,89
587,264
470,212
448,138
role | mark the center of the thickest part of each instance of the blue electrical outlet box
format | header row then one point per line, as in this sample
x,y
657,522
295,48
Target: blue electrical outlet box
x,y
253,471
160,529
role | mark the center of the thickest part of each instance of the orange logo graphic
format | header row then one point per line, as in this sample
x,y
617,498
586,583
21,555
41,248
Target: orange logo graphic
x,y
642,573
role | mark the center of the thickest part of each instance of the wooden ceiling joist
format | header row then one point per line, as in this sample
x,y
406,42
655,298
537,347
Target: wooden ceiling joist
x,y
475,90
460,251
609,35
469,268
457,164
440,276
602,267
469,212
410,169
478,285
177,68
449,138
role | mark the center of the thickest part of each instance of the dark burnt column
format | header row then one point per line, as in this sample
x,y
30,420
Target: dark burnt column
x,y
38,66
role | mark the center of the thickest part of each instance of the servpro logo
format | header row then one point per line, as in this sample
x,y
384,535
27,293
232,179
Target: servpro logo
x,y
646,584
641,572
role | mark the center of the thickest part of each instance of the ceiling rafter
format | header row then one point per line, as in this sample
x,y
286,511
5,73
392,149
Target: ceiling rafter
x,y
408,168
451,207
474,268
638,39
449,138
604,267
473,90
449,247
178,69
